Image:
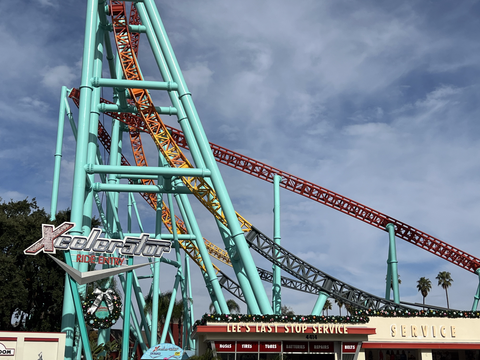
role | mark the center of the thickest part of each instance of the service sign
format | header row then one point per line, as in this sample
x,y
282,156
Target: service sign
x,y
54,239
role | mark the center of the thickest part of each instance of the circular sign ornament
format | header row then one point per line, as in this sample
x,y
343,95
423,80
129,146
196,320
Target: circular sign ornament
x,y
101,309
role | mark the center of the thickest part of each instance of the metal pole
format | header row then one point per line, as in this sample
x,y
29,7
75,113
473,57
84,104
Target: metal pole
x,y
277,276
477,294
79,182
58,154
392,256
320,303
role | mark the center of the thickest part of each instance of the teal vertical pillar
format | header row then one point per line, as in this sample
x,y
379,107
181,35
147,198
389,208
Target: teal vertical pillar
x,y
277,276
191,317
127,311
477,294
79,180
392,263
77,304
156,275
58,154
86,90
92,145
320,303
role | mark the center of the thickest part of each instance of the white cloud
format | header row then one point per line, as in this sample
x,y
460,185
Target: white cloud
x,y
58,76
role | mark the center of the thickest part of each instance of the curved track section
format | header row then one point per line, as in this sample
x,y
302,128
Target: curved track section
x,y
340,203
314,277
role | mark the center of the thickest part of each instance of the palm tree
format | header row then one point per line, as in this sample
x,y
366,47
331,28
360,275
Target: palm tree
x,y
327,306
340,305
424,285
285,310
445,281
163,304
391,283
233,307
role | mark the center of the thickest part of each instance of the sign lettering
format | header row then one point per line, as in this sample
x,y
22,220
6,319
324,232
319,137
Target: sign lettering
x,y
425,331
55,239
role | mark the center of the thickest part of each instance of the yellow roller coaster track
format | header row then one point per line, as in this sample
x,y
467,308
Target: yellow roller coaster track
x,y
153,123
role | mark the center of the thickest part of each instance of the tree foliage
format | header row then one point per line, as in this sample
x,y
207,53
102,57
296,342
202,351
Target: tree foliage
x,y
424,285
32,286
327,306
232,306
286,310
445,281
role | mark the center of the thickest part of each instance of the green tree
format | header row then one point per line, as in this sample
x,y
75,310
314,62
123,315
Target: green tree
x,y
340,304
445,281
163,304
285,310
327,306
233,307
424,285
391,283
32,286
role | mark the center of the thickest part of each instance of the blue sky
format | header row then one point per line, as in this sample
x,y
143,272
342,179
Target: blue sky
x,y
377,101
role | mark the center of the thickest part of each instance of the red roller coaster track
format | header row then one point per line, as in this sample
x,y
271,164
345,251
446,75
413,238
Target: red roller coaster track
x,y
323,196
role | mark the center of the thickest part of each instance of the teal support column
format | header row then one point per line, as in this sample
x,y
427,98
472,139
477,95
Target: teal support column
x,y
169,311
146,321
58,154
180,273
191,317
86,90
208,264
79,181
176,245
277,276
136,327
211,276
392,263
477,294
77,303
139,220
320,303
156,275
112,206
92,145
129,212
388,282
221,191
68,318
127,307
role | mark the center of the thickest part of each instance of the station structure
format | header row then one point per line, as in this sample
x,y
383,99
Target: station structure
x,y
112,33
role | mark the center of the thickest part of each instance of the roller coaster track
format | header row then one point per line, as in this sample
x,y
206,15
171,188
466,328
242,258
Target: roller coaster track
x,y
201,188
310,276
325,196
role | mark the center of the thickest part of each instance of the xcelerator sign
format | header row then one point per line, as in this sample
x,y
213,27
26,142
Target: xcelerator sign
x,y
55,238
